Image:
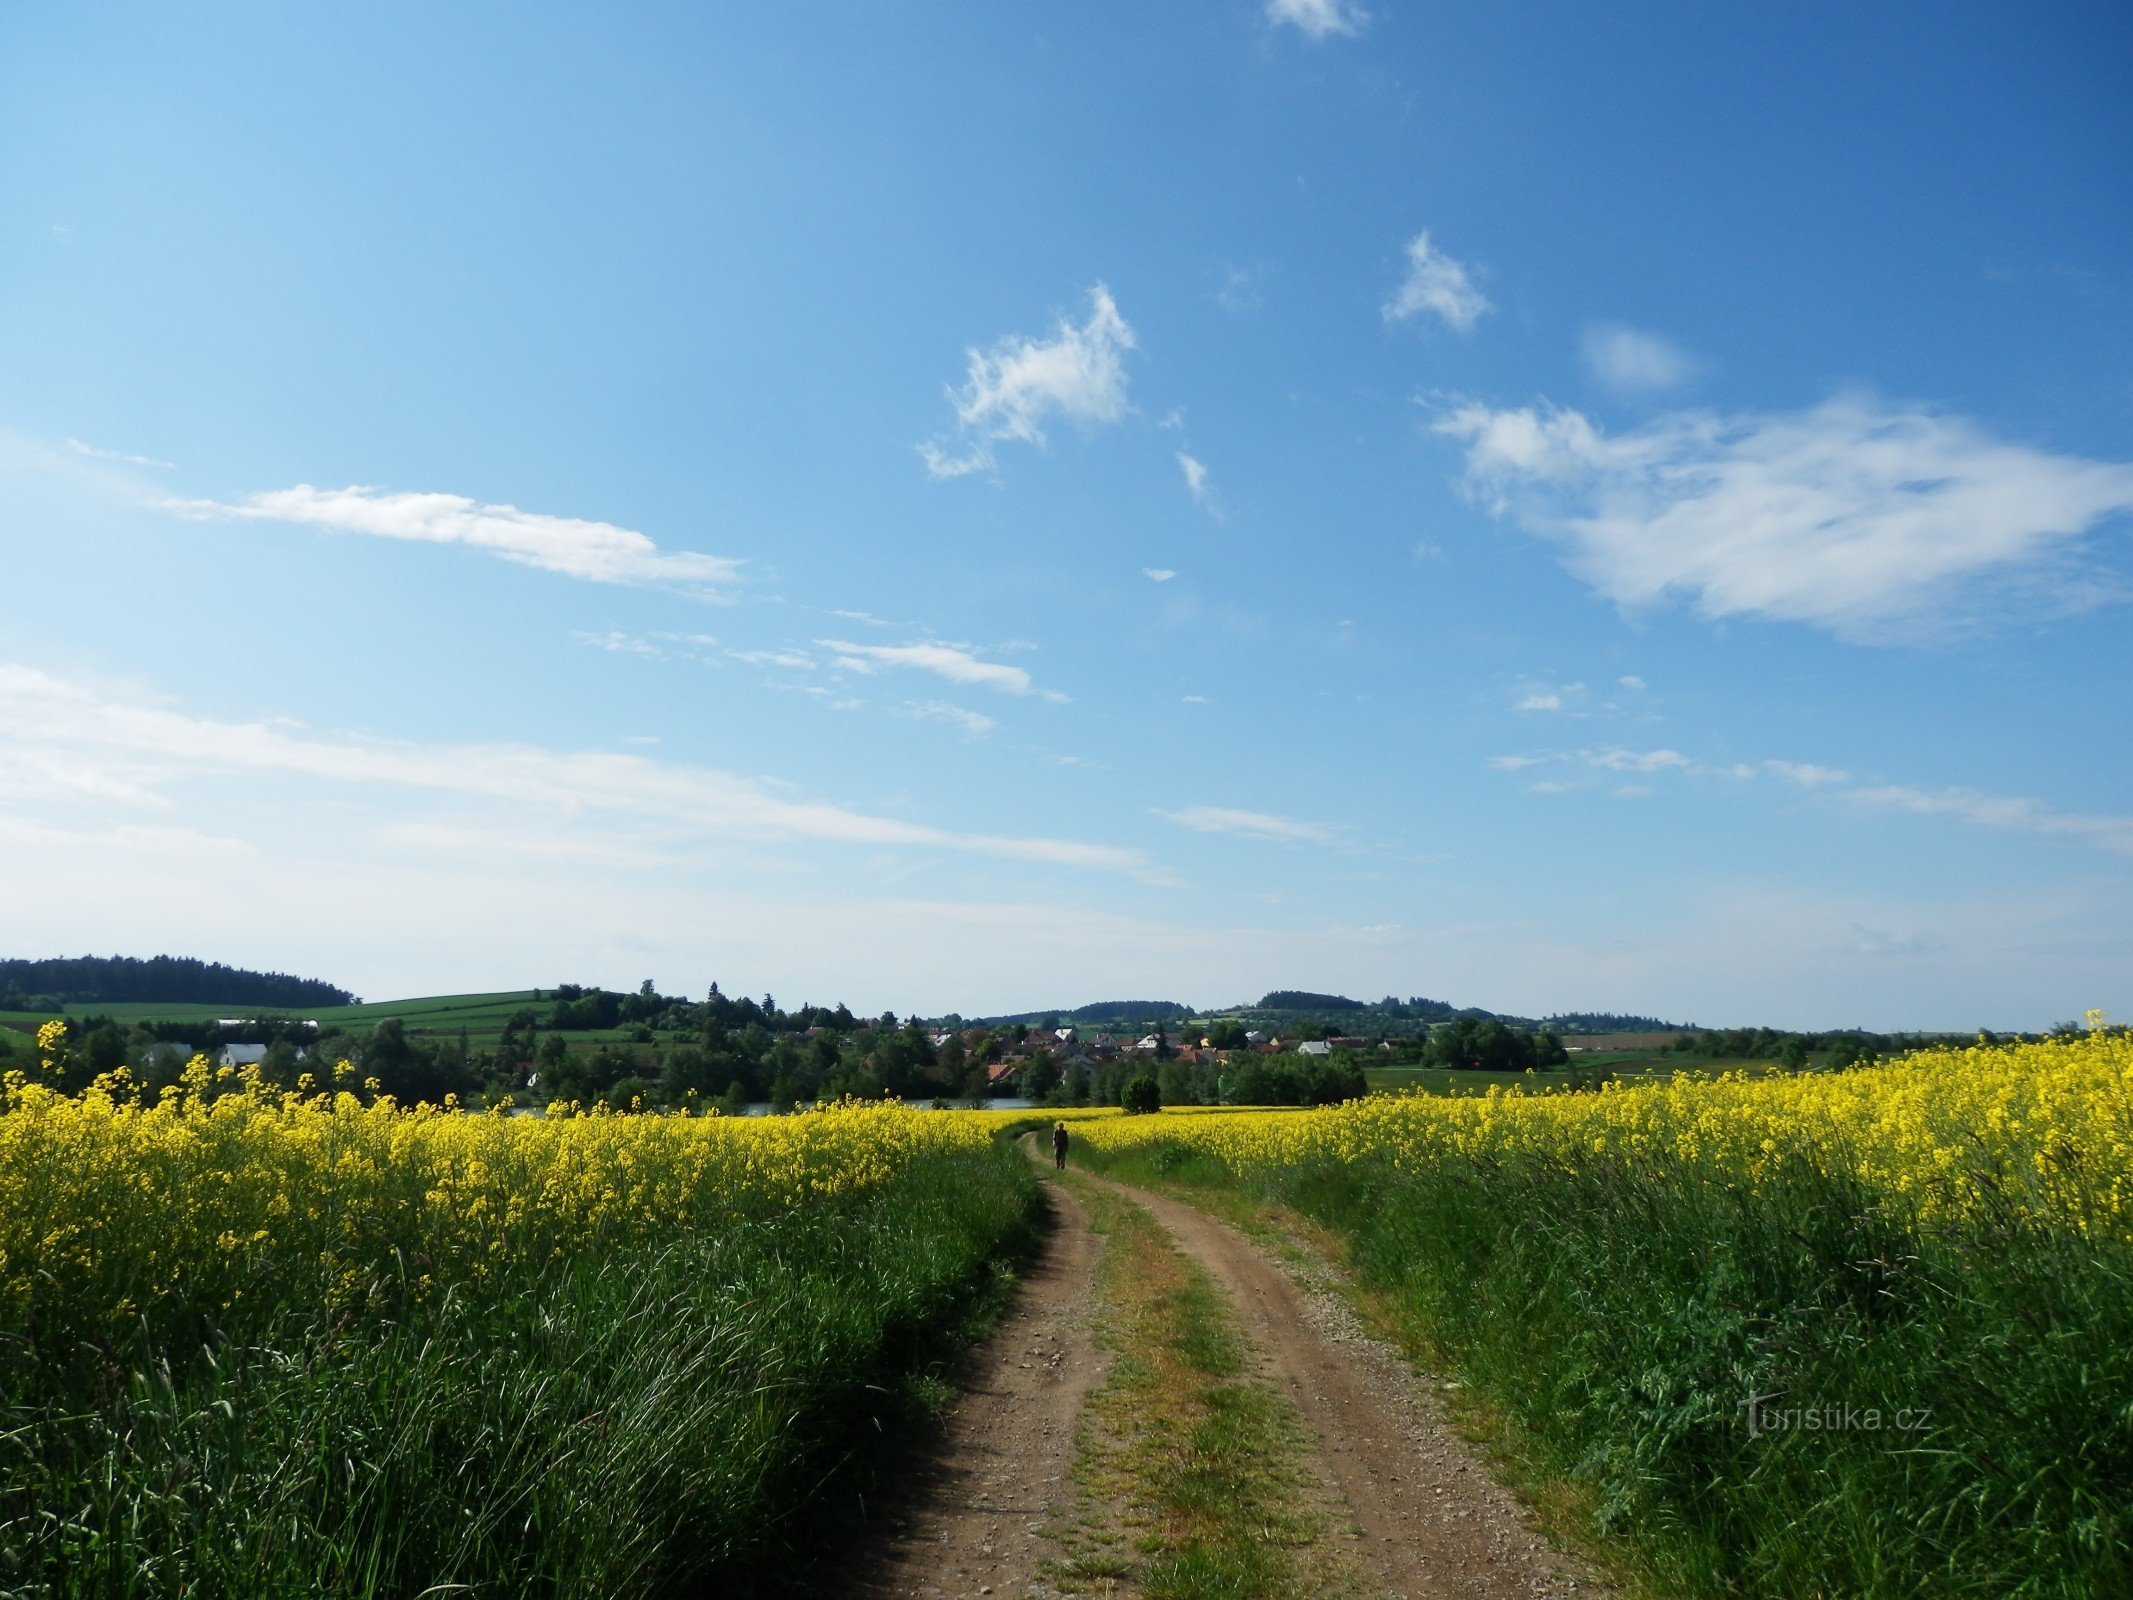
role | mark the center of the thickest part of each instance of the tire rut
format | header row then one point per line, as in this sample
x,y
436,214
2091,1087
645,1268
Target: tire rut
x,y
976,1520
1429,1519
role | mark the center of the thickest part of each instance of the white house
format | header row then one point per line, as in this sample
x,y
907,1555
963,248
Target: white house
x,y
1314,1047
241,1055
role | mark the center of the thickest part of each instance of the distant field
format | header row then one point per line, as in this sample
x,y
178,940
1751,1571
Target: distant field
x,y
482,1015
1624,1065
432,1011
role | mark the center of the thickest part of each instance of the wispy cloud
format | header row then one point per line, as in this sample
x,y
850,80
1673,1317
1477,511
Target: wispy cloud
x,y
1806,774
1536,696
599,552
146,747
1158,574
1856,516
1239,292
2004,813
1197,483
1439,285
1616,759
95,454
1633,362
1247,824
954,662
975,724
1013,388
1318,19
619,643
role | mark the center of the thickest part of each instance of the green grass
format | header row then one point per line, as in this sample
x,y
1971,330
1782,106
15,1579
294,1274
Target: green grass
x,y
480,1016
430,1013
689,1415
1613,1319
1208,1458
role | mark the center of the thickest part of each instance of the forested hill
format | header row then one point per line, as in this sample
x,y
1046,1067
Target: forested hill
x,y
1285,1010
1102,1011
119,980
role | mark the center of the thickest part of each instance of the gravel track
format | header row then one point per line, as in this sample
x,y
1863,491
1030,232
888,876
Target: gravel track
x,y
976,1521
1417,1512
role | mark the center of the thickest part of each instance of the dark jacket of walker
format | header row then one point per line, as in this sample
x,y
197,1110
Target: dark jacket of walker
x,y
1059,1144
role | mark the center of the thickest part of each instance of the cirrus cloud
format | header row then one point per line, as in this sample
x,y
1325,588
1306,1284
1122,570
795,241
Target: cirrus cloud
x,y
599,552
1247,824
1631,361
136,752
1868,519
957,663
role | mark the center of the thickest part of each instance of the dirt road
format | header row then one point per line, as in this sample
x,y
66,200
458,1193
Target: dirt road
x,y
976,1521
1428,1518
1415,1505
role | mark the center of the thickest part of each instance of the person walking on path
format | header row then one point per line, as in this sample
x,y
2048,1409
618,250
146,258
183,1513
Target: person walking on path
x,y
1059,1144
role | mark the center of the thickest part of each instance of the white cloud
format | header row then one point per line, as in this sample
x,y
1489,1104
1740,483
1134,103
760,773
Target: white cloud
x,y
798,660
1806,774
2004,813
1620,760
1541,702
975,724
597,551
1239,292
620,643
1012,388
1196,482
1439,285
1880,942
954,662
129,744
1195,700
1630,680
1157,574
95,454
1318,19
1247,824
1855,516
1632,361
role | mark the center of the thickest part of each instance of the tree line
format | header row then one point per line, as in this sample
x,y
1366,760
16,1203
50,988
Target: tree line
x,y
120,980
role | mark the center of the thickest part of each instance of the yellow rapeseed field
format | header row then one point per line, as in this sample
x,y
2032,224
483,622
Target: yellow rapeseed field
x,y
2055,1118
227,1189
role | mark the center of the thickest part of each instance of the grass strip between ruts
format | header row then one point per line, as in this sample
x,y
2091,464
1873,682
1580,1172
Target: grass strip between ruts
x,y
1193,1467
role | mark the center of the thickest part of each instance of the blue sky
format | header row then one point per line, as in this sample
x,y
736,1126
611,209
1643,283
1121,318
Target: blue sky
x,y
1546,507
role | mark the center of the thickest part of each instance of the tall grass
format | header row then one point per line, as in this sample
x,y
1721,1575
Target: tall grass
x,y
667,1410
1800,1386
